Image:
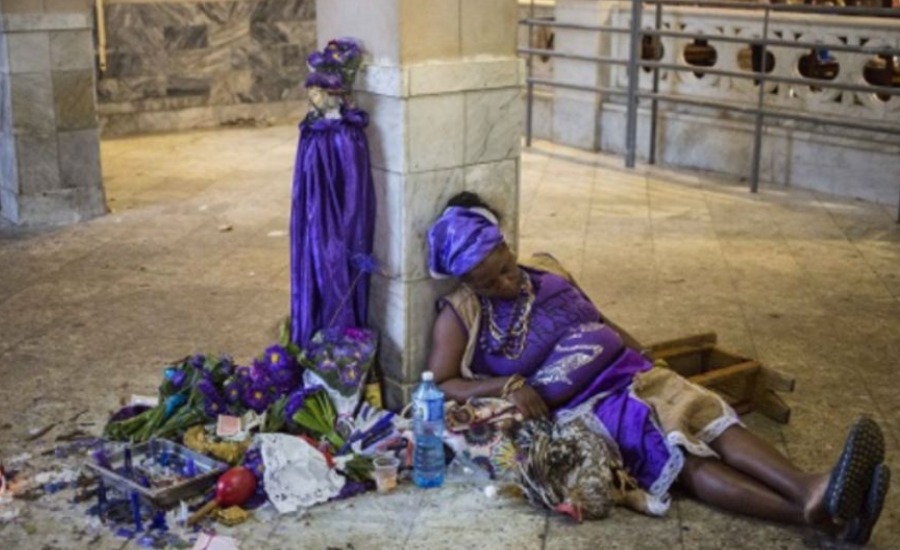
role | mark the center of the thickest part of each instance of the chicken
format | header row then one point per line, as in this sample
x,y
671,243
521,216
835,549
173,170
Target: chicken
x,y
569,469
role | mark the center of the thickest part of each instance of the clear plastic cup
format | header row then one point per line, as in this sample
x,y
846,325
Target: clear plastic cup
x,y
386,473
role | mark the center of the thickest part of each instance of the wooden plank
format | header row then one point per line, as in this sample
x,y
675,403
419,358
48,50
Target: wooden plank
x,y
777,381
774,407
706,338
712,377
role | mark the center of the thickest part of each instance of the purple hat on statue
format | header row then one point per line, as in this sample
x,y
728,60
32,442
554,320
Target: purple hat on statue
x,y
460,240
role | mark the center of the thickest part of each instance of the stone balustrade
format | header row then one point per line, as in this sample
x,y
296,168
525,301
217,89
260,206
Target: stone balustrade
x,y
834,67
821,157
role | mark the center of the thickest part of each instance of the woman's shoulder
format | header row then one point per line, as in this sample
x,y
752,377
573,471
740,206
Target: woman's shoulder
x,y
545,263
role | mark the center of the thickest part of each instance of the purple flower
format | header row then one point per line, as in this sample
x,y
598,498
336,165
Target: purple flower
x,y
259,372
350,374
278,357
357,334
233,390
326,81
197,361
226,364
253,461
175,376
318,61
207,388
294,403
327,364
243,374
257,397
214,407
344,45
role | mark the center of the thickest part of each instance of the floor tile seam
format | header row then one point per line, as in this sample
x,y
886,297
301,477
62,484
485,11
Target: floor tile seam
x,y
546,531
653,229
859,251
733,283
412,524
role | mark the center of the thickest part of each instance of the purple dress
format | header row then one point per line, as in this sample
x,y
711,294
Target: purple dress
x,y
332,224
576,363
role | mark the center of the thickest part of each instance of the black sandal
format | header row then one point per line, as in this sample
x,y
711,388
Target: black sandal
x,y
861,528
852,475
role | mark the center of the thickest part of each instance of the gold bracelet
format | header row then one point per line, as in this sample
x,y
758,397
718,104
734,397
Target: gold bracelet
x,y
514,384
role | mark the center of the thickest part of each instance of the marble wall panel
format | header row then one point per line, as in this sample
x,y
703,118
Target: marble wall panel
x,y
32,103
21,6
67,5
79,158
442,41
284,10
425,196
5,106
135,39
9,169
74,100
497,183
227,53
123,65
377,26
192,37
387,130
430,116
388,242
229,33
177,86
4,54
126,90
38,159
28,52
233,88
489,27
71,50
493,125
9,205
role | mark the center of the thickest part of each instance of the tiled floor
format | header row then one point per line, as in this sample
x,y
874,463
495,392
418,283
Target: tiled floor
x,y
88,314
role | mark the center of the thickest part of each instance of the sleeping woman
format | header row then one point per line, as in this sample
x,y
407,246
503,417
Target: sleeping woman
x,y
532,337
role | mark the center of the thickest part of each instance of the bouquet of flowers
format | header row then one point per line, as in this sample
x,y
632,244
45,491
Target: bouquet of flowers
x,y
182,403
198,389
339,360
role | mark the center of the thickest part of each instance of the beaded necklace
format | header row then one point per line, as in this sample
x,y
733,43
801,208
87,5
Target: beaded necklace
x,y
510,342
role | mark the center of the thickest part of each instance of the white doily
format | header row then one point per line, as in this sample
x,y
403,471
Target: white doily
x,y
296,474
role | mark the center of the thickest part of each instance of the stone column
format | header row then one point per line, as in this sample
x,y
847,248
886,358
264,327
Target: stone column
x,y
576,114
443,89
49,140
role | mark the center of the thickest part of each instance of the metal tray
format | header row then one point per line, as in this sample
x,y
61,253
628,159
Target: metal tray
x,y
146,454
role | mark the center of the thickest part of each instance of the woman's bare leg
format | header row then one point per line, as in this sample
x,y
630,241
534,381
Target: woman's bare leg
x,y
745,451
714,482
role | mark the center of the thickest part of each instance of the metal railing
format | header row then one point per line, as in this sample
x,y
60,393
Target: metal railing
x,y
760,112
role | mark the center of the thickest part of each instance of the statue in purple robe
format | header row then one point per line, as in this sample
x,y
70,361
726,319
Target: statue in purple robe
x,y
333,204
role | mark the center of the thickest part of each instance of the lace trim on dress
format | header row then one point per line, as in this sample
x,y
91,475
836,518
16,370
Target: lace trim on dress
x,y
717,427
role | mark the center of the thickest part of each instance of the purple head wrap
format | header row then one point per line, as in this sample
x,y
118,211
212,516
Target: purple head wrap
x,y
460,240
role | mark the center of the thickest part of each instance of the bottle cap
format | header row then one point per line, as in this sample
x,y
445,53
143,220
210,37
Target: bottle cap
x,y
427,376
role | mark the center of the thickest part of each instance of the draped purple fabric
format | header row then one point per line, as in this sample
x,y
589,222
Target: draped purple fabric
x,y
332,225
573,358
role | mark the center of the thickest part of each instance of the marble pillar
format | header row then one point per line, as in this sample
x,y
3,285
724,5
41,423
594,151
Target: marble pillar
x,y
442,85
576,113
49,141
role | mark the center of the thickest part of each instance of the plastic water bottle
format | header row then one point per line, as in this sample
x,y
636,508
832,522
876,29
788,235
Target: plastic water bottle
x,y
428,426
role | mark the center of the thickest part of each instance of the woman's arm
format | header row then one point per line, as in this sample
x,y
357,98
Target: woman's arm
x,y
448,346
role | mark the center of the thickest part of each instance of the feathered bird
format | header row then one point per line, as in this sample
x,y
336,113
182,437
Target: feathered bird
x,y
569,469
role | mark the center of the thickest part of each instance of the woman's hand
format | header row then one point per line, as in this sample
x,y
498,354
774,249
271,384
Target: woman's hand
x,y
529,403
